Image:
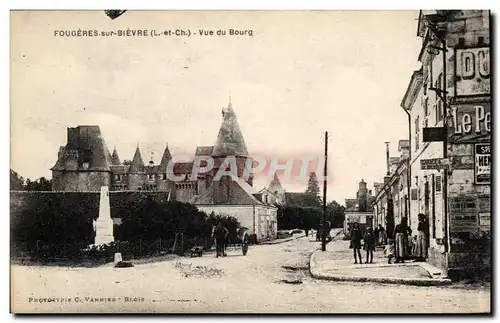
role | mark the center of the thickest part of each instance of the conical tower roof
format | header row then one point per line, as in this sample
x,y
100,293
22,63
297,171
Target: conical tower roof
x,y
137,163
275,185
230,139
165,159
115,160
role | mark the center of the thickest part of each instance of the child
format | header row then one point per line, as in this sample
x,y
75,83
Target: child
x,y
389,250
369,240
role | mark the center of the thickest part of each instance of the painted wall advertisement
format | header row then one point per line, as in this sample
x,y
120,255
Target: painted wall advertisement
x,y
470,123
469,223
482,163
472,72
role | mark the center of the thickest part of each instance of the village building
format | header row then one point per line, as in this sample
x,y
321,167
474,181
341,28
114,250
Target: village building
x,y
448,161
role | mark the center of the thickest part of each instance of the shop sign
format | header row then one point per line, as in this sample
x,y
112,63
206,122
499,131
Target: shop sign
x,y
434,163
470,123
473,71
482,166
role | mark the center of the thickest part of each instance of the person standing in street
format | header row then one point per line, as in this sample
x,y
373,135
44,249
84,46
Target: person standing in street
x,y
356,242
402,231
423,233
220,239
369,240
382,235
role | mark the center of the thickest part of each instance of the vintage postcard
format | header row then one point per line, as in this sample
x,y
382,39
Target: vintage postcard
x,y
250,161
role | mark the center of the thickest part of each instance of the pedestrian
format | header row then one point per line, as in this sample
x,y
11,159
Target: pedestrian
x,y
307,232
421,243
220,237
382,235
389,250
402,231
369,240
226,242
356,242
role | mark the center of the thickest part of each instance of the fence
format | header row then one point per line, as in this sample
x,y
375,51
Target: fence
x,y
80,251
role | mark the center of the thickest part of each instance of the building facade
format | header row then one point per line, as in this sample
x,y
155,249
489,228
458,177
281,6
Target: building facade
x,y
448,106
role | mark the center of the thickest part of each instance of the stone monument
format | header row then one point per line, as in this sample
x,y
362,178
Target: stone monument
x,y
104,224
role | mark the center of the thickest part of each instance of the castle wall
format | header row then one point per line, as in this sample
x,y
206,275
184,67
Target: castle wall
x,y
136,181
80,181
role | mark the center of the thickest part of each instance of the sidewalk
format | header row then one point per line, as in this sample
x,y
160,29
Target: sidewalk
x,y
337,263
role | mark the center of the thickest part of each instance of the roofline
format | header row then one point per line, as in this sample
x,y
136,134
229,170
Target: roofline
x,y
402,163
412,89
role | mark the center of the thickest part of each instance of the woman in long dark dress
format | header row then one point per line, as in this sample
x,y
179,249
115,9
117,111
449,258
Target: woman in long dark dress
x,y
356,237
402,231
423,233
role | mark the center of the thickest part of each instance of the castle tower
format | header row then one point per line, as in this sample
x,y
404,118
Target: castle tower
x,y
115,160
362,196
136,173
230,142
276,188
165,159
84,163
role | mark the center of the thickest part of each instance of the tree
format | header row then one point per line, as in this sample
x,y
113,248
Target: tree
x,y
312,185
16,181
311,197
336,214
41,184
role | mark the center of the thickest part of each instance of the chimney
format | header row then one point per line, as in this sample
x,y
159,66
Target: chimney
x,y
387,157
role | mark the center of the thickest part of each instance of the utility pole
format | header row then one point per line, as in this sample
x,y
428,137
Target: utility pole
x,y
323,242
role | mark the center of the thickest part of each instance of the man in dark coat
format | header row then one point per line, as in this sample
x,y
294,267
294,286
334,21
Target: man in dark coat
x,y
220,233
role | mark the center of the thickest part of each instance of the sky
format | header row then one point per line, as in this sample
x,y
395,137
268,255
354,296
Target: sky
x,y
301,73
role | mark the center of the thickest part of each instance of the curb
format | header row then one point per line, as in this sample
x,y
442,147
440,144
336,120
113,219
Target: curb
x,y
386,280
281,241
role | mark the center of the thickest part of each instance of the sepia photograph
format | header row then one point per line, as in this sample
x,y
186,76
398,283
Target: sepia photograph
x,y
250,161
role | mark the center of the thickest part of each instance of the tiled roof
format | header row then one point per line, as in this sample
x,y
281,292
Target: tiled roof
x,y
137,162
233,192
230,139
115,160
204,150
84,143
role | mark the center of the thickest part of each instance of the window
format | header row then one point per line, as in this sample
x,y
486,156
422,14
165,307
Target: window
x,y
164,176
426,107
151,177
417,133
438,183
85,165
439,103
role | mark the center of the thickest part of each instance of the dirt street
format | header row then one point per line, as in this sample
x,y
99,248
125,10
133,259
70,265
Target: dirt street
x,y
270,278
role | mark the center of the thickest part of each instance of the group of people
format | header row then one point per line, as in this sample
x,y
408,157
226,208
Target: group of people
x,y
396,246
369,240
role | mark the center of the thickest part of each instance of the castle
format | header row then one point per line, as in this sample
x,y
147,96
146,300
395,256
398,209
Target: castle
x,y
85,164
